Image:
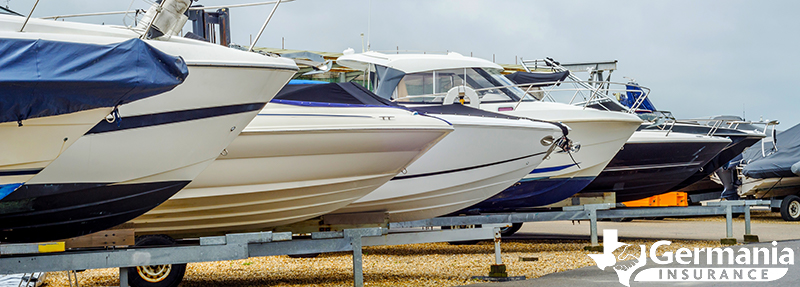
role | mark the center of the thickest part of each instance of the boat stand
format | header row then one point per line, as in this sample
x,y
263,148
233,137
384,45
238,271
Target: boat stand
x,y
18,258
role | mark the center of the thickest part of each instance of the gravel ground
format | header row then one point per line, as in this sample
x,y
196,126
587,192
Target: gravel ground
x,y
432,264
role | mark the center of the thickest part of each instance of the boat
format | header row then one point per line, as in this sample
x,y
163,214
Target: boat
x,y
773,171
652,161
444,181
124,167
46,105
313,149
599,133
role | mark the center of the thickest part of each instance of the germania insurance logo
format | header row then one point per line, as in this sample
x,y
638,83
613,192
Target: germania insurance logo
x,y
754,264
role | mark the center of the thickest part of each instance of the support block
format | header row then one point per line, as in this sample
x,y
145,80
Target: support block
x,y
751,238
498,271
598,248
498,279
728,241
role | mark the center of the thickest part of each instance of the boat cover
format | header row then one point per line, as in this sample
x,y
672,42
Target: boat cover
x,y
634,92
520,78
41,78
777,164
312,93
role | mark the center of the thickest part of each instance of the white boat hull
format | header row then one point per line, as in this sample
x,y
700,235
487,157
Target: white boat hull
x,y
770,187
480,158
119,170
600,134
295,163
27,149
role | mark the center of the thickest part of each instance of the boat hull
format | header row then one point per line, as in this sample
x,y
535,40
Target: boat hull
x,y
770,187
170,137
27,149
653,162
601,134
463,169
295,163
42,212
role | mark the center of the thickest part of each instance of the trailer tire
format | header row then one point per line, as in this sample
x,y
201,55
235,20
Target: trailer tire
x,y
156,275
508,231
790,208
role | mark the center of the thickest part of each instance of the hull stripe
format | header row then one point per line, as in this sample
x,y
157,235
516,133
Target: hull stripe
x,y
465,168
141,121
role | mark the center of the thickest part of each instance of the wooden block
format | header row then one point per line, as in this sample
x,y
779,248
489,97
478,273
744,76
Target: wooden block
x,y
105,238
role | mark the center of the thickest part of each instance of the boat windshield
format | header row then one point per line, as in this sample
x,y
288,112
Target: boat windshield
x,y
432,85
6,11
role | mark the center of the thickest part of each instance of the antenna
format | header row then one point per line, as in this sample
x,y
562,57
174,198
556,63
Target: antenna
x,y
743,118
265,25
29,16
362,43
369,22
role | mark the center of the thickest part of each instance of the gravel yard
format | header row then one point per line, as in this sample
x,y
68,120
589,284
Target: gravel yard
x,y
433,264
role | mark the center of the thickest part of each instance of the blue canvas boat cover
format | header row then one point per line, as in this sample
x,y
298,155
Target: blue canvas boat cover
x,y
520,78
634,92
777,164
40,78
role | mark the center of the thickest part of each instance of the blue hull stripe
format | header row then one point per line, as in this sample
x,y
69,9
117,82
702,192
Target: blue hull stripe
x,y
20,172
172,117
6,189
553,168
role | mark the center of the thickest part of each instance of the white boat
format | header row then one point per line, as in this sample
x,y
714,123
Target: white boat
x,y
121,169
46,104
599,133
298,159
486,153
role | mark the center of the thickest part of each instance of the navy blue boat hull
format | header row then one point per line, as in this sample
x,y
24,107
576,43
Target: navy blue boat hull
x,y
737,146
641,170
43,212
531,193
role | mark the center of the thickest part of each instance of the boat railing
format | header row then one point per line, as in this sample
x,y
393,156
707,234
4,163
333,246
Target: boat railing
x,y
558,91
551,65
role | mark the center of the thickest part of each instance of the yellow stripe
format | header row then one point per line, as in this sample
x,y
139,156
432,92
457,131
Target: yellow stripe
x,y
51,247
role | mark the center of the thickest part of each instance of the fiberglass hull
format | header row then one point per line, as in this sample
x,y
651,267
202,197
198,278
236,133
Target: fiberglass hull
x,y
159,145
463,169
600,134
294,163
653,162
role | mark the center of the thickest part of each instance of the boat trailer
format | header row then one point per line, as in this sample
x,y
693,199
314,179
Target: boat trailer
x,y
47,257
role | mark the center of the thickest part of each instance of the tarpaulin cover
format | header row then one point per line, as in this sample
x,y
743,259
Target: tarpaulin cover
x,y
334,93
777,164
533,78
632,95
40,78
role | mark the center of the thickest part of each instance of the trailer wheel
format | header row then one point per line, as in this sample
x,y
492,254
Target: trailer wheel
x,y
790,208
508,231
169,275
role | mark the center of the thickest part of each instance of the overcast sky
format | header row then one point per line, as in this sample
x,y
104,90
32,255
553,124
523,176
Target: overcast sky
x,y
700,58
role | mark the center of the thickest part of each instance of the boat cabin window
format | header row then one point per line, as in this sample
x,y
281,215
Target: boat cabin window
x,y
432,86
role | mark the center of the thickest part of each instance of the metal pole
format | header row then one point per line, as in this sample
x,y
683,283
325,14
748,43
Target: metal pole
x,y
728,221
593,225
358,271
746,219
29,16
123,277
497,259
265,25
